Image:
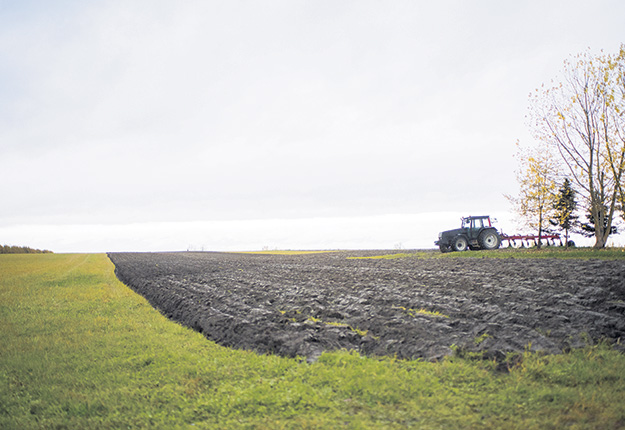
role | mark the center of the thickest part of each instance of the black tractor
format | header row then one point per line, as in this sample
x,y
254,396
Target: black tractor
x,y
476,232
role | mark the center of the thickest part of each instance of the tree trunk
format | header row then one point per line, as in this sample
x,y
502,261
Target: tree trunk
x,y
600,242
540,228
598,215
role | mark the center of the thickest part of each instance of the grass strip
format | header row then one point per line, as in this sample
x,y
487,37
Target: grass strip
x,y
545,252
80,350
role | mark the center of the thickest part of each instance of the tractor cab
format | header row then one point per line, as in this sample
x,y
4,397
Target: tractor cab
x,y
476,223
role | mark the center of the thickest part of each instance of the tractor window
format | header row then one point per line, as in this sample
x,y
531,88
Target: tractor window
x,y
477,223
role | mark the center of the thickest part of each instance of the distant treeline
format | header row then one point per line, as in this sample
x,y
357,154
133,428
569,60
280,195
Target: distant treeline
x,y
7,249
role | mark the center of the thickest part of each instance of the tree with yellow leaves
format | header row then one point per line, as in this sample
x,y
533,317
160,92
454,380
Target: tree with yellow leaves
x,y
617,69
537,179
582,118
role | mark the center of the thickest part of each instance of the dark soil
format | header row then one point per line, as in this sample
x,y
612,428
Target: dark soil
x,y
301,305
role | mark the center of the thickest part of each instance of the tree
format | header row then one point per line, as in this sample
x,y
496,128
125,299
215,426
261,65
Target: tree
x,y
618,64
11,249
582,117
537,188
589,228
565,205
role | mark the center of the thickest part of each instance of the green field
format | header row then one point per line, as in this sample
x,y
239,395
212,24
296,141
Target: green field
x,y
79,350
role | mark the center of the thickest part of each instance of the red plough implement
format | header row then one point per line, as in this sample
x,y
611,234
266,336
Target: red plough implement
x,y
528,240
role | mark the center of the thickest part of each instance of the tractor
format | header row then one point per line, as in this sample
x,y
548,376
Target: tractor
x,y
476,232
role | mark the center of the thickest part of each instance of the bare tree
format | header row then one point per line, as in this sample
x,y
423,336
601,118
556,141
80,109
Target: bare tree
x,y
582,117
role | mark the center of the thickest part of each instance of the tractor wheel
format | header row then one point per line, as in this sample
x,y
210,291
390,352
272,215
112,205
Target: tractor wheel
x,y
489,240
444,248
460,244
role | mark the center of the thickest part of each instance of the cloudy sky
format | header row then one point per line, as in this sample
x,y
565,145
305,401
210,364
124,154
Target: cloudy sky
x,y
152,125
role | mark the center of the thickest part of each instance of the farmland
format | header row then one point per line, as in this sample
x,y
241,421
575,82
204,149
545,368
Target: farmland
x,y
78,349
409,308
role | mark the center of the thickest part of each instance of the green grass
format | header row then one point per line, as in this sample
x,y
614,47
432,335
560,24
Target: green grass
x,y
545,252
80,350
422,311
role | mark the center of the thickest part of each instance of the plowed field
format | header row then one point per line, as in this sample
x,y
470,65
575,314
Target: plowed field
x,y
301,305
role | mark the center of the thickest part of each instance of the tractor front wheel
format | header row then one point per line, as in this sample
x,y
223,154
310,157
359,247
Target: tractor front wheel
x,y
460,244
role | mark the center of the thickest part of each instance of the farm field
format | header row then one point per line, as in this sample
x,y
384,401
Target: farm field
x,y
409,308
78,349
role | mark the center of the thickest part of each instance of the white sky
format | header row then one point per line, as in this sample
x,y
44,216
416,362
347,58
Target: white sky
x,y
153,125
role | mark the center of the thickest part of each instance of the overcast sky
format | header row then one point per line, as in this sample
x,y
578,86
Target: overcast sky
x,y
153,125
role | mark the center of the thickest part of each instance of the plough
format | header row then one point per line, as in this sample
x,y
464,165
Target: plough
x,y
529,240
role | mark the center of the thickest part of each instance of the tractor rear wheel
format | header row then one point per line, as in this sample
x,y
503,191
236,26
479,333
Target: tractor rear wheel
x,y
488,239
460,244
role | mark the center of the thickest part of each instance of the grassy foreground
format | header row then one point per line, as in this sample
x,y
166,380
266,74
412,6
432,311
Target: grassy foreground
x,y
80,350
